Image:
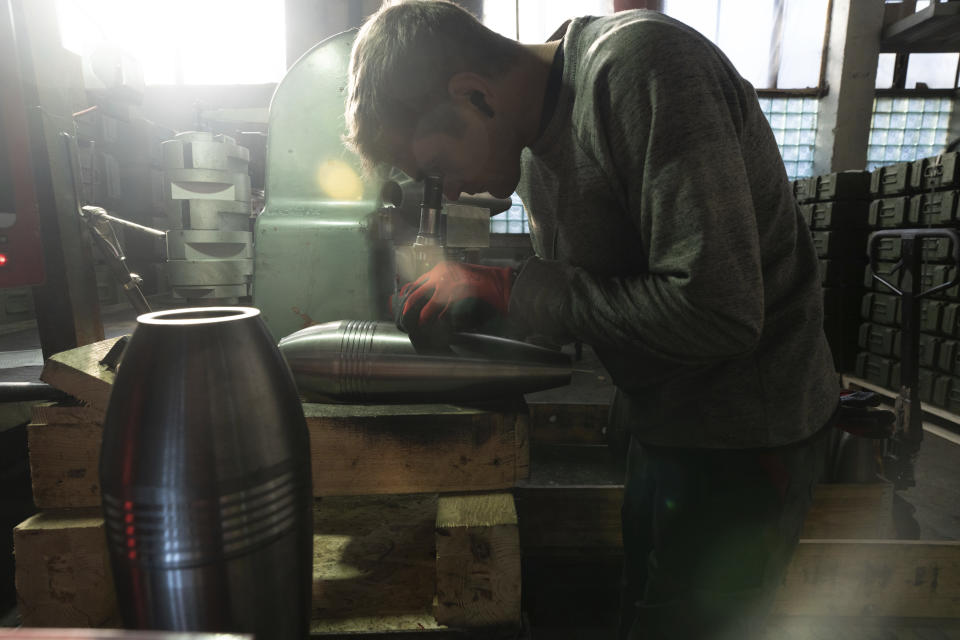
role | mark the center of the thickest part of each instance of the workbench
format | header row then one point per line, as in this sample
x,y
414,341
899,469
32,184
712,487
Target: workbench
x,y
427,515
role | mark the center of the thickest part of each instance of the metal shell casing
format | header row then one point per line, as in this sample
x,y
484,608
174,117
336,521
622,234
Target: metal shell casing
x,y
205,479
368,361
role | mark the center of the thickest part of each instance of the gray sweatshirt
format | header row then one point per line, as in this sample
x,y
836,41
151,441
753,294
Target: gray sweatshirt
x,y
669,240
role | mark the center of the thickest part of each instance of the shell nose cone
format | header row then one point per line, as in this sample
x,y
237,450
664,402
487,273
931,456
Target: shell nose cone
x,y
367,361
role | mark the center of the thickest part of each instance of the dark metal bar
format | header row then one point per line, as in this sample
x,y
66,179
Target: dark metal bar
x,y
915,93
776,43
103,215
902,449
822,84
30,392
900,71
808,92
67,304
911,251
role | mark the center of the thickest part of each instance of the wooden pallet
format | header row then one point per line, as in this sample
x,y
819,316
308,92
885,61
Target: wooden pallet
x,y
385,562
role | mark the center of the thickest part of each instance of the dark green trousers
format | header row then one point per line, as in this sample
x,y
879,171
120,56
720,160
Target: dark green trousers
x,y
708,533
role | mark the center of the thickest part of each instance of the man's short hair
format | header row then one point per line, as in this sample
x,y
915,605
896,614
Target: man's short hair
x,y
402,61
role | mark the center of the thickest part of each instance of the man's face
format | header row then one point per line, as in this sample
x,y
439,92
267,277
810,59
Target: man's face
x,y
480,159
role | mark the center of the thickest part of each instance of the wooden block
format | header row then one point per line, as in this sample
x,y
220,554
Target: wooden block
x,y
79,373
355,450
570,521
381,627
376,563
58,414
387,449
63,576
373,557
851,511
916,578
568,423
478,561
64,463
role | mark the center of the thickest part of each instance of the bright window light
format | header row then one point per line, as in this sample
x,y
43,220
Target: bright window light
x,y
184,41
936,70
744,31
885,67
538,18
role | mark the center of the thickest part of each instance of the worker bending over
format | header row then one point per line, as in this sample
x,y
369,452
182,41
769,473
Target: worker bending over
x,y
667,237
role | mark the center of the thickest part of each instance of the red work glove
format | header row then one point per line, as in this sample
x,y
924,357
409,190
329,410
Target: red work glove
x,y
453,296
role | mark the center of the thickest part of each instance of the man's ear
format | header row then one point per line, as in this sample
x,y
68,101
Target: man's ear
x,y
477,100
472,88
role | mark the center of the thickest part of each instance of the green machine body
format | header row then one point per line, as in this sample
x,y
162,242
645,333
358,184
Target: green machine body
x,y
323,247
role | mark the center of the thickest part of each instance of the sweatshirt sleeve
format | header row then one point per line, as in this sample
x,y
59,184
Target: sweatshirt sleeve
x,y
665,127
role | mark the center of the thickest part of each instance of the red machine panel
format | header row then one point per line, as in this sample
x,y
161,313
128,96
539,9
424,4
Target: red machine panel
x,y
21,251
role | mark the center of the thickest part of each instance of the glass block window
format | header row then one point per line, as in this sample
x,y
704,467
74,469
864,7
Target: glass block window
x,y
794,124
513,220
905,129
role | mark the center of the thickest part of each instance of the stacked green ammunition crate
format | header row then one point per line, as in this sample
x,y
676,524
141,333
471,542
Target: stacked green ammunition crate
x,y
923,193
835,207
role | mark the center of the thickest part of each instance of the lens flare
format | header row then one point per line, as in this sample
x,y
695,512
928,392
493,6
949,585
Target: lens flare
x,y
339,181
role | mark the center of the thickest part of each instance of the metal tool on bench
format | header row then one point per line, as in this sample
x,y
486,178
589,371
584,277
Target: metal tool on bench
x,y
902,448
105,239
366,361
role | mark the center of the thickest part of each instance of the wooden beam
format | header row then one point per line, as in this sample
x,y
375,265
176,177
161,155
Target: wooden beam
x,y
478,561
933,29
916,578
860,628
355,450
585,520
850,511
382,449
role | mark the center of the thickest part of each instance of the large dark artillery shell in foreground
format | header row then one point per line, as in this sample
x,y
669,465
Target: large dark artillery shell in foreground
x,y
368,361
205,478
